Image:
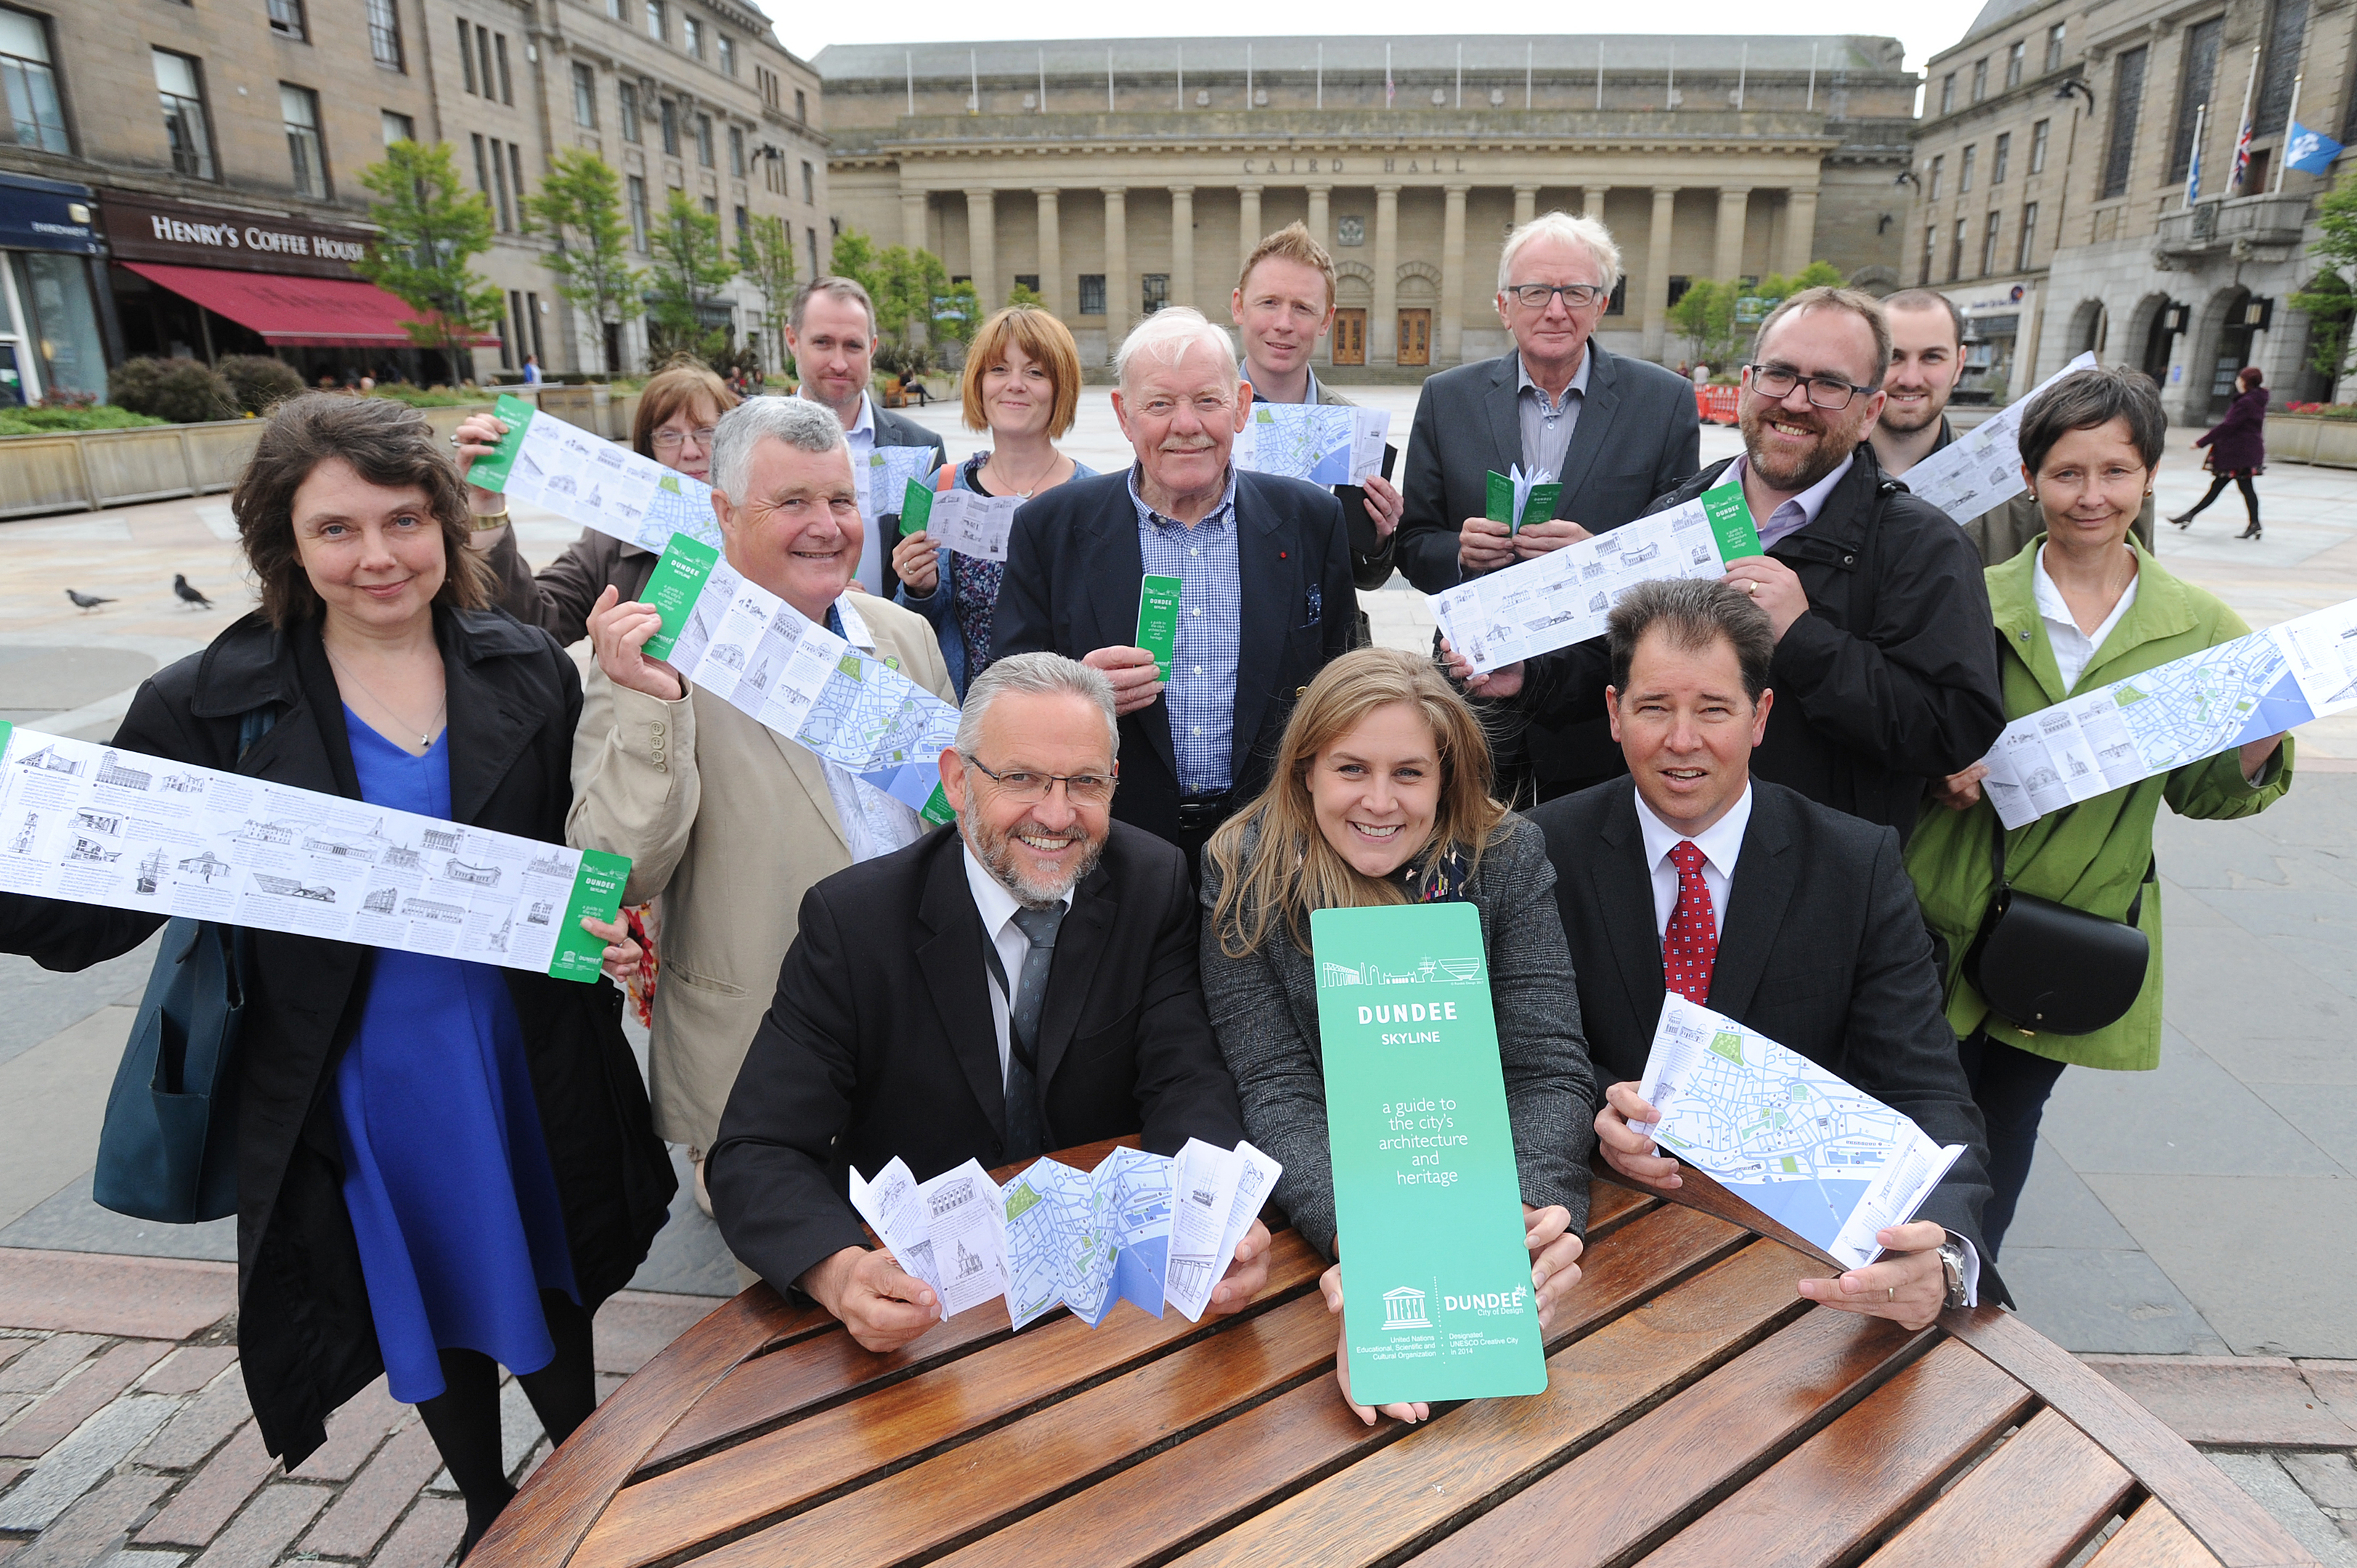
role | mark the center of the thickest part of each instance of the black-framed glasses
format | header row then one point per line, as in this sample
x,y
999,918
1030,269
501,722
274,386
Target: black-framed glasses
x,y
1536,295
1825,392
1028,789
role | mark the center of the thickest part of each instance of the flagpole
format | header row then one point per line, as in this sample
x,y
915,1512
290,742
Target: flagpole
x,y
2291,118
2242,125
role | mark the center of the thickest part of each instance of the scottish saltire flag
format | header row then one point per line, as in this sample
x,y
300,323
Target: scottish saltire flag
x,y
2193,175
2311,152
2241,158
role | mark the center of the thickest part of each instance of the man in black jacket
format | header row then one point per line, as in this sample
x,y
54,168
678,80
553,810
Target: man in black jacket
x,y
1794,920
1265,564
1885,663
1024,982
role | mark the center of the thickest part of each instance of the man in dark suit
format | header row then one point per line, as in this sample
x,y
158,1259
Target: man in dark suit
x,y
1615,432
1265,564
831,332
1792,919
1021,983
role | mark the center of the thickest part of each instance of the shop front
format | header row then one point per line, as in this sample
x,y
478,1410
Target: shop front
x,y
194,282
52,291
1993,323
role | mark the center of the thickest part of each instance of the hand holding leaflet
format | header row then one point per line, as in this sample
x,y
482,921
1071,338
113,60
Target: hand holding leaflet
x,y
1158,620
894,1210
970,524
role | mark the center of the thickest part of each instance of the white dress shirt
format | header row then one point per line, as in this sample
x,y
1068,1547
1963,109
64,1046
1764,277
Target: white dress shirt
x,y
1720,843
2073,650
998,908
860,437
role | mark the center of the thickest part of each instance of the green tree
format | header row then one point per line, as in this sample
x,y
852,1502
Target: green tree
x,y
431,225
765,253
1023,293
956,312
2327,301
580,203
1720,320
690,266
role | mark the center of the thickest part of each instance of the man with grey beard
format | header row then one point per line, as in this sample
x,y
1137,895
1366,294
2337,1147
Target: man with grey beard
x,y
1885,670
1022,983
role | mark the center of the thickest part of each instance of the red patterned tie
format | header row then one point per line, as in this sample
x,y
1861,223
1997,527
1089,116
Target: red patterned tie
x,y
1691,943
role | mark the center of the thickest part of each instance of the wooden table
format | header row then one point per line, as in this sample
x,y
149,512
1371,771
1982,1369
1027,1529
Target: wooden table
x,y
1698,1411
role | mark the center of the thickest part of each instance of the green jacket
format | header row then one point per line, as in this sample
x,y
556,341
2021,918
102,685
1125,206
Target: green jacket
x,y
2094,855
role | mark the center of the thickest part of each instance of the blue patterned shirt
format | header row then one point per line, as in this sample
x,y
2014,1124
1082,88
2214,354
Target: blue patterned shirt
x,y
1201,694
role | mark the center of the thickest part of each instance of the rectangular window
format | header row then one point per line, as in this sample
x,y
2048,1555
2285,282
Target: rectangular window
x,y
182,97
2200,76
728,48
2286,32
1093,293
286,20
466,52
1930,244
736,151
1939,171
637,187
1964,171
2014,58
712,207
669,128
802,107
614,9
627,110
585,96
398,127
515,173
690,36
35,118
1948,93
2038,147
1156,293
2001,155
2127,102
507,83
531,308
499,189
1956,252
482,170
703,140
810,185
811,234
1980,79
384,34
299,107
483,54
2027,241
512,338
744,227
656,20
1988,246
2054,46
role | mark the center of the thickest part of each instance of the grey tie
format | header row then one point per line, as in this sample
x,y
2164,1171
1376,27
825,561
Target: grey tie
x,y
1025,1122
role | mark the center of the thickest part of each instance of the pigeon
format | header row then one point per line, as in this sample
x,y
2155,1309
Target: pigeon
x,y
188,596
88,602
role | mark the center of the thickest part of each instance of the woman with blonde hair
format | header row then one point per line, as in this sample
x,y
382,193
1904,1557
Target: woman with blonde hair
x,y
1022,384
1381,795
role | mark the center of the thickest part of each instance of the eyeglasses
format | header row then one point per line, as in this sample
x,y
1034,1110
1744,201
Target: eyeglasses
x,y
668,440
1210,406
1029,788
1536,295
1825,392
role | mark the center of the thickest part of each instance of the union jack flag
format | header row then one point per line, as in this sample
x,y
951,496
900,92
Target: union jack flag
x,y
2241,158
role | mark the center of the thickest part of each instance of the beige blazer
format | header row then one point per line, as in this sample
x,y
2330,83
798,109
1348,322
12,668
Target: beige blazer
x,y
729,822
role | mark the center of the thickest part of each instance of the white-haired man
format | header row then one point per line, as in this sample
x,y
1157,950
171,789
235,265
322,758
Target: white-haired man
x,y
725,819
1265,568
1615,431
1020,983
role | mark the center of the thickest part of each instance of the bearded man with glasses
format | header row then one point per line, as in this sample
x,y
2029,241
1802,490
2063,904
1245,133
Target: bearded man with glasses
x,y
1885,670
1615,431
1021,982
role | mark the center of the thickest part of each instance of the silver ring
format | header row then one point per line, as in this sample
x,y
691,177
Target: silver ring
x,y
1893,1290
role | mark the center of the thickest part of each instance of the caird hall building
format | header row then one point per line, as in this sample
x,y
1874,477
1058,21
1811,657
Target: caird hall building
x,y
1114,177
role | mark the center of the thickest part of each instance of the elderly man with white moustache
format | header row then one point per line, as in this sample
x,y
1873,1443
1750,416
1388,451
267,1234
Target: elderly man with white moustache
x,y
728,822
1264,564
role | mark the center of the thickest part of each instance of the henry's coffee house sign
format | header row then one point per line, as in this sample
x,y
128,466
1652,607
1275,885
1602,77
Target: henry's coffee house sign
x,y
149,229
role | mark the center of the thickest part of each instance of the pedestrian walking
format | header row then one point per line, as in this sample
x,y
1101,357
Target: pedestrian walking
x,y
2238,450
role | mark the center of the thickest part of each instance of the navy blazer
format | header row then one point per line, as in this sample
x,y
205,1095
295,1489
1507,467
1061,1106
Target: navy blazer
x,y
1822,948
1073,570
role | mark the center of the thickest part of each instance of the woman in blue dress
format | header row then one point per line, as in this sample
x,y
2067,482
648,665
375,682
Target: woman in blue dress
x,y
444,1166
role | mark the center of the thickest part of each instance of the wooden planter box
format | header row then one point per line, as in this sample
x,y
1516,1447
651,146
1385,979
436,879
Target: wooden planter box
x,y
2306,438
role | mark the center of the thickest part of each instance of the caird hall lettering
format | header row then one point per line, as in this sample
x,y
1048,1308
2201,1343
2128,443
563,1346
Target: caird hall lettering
x,y
230,236
1334,165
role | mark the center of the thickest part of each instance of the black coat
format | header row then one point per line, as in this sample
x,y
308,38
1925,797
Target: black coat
x,y
880,1042
306,1336
1889,680
1822,949
1073,569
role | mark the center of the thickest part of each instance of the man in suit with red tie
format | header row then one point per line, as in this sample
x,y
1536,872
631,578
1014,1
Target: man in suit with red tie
x,y
1745,897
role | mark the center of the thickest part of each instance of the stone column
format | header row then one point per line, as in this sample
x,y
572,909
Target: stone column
x,y
1526,204
1734,201
981,247
1657,270
912,220
1053,292
1320,225
1451,346
1591,202
1182,245
1121,287
1382,327
1247,224
1799,228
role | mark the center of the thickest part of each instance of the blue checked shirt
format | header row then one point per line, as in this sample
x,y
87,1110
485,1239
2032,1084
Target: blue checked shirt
x,y
1201,694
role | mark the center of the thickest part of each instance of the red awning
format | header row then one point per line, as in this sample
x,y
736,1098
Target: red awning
x,y
296,312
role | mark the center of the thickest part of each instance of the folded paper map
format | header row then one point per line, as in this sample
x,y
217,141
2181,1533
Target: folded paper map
x,y
963,520
1980,470
1326,443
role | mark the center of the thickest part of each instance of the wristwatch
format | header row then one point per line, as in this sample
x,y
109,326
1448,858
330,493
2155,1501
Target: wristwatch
x,y
1952,1264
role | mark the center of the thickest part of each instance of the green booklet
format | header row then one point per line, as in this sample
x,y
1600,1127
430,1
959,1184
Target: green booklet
x,y
1730,520
1518,499
1158,620
1435,1280
672,586
491,470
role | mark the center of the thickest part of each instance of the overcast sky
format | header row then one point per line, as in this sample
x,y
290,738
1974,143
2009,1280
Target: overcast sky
x,y
1925,26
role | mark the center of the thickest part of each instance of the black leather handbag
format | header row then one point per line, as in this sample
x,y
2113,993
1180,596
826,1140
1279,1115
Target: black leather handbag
x,y
2049,968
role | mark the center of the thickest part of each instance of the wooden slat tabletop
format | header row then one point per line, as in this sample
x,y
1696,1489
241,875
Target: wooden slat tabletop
x,y
1698,1411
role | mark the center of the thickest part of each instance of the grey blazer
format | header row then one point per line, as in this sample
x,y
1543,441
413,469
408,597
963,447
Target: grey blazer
x,y
1265,1012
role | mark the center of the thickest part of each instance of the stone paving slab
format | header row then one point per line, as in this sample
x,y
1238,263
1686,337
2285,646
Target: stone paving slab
x,y
151,1298
2230,1402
